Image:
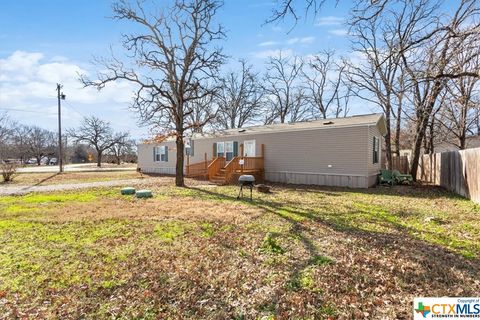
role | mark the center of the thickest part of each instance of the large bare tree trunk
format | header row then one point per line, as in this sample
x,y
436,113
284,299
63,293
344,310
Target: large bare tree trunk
x,y
99,158
179,178
396,139
388,144
417,146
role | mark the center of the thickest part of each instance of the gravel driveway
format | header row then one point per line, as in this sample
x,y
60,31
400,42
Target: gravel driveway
x,y
20,190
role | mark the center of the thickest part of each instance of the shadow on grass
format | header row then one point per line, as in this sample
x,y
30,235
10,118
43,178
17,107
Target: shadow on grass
x,y
41,181
417,191
435,262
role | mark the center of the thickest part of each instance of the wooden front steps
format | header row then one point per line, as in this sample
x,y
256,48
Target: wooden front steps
x,y
221,172
220,177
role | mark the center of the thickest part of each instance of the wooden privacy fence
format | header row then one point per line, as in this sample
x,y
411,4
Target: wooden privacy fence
x,y
458,171
398,163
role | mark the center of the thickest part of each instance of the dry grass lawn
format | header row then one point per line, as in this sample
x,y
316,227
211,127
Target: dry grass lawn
x,y
49,178
198,253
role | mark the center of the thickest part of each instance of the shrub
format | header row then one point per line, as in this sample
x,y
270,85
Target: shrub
x,y
9,170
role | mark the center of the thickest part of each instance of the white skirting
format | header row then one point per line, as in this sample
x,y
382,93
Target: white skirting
x,y
163,170
320,179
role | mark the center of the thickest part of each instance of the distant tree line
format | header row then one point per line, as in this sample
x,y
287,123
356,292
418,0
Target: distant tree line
x,y
22,143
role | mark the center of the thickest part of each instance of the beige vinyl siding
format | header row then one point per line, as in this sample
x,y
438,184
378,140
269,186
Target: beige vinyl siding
x,y
147,164
374,168
303,157
336,156
303,151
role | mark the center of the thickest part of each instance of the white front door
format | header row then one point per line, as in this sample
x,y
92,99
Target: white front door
x,y
249,148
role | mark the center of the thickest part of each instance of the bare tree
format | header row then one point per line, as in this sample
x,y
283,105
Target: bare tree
x,y
477,115
7,128
175,49
201,112
379,41
342,108
460,112
239,99
284,96
429,66
39,143
19,143
122,147
323,78
295,8
98,134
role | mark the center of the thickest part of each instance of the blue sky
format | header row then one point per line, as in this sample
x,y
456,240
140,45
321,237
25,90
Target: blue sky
x,y
45,41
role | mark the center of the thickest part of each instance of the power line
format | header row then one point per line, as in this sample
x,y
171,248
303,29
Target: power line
x,y
74,109
30,111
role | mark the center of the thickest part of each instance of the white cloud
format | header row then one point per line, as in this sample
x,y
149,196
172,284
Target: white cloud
x,y
272,53
292,41
28,83
268,43
19,65
329,21
289,42
338,32
307,40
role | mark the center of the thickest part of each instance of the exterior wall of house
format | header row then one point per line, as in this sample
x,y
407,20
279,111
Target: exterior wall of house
x,y
337,156
147,163
373,168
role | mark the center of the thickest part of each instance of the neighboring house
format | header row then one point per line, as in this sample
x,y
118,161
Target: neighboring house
x,y
331,152
445,146
470,142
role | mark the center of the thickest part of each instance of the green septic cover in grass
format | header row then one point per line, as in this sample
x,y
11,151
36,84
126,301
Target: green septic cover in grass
x,y
144,194
128,190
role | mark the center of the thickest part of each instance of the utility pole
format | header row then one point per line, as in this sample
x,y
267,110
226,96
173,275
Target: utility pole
x,y
60,96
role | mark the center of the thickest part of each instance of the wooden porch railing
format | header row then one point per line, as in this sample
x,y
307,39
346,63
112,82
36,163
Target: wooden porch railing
x,y
215,166
199,169
251,163
231,167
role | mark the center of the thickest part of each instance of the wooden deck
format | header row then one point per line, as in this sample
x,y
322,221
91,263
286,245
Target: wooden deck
x,y
221,172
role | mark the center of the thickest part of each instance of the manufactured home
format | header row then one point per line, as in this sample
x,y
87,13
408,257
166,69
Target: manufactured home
x,y
330,152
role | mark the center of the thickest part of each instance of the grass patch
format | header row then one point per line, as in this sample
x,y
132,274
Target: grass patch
x,y
320,260
208,229
270,244
302,280
169,231
301,253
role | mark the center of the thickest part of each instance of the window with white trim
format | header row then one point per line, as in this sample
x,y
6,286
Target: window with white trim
x,y
376,150
229,146
160,153
163,153
156,152
220,149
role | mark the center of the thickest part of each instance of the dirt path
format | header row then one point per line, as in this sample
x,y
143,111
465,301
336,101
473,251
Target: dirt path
x,y
24,189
